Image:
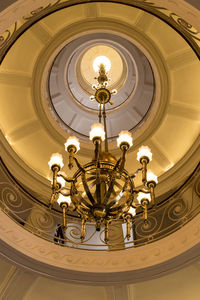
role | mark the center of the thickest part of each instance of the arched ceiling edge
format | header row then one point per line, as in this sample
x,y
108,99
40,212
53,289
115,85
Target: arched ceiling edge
x,y
186,30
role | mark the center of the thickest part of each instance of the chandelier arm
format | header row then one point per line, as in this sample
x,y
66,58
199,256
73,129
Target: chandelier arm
x,y
116,208
79,166
128,227
152,194
112,182
83,221
144,161
123,159
63,193
53,195
86,188
86,203
123,190
97,144
106,231
64,208
98,186
141,190
136,172
66,178
74,191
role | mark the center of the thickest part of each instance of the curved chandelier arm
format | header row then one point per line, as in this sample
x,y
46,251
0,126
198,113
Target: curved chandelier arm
x,y
121,195
135,174
112,182
86,188
128,227
122,163
82,200
79,165
65,178
53,196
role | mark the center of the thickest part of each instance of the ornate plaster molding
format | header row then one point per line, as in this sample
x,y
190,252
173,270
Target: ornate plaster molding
x,y
101,267
168,254
190,34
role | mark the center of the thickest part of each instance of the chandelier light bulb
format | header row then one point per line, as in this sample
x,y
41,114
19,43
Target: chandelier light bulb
x,y
56,159
144,151
92,98
125,137
94,86
97,131
132,211
143,196
101,60
152,177
114,92
64,199
72,141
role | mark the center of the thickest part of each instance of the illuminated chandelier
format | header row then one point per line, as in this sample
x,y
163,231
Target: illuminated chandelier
x,y
102,191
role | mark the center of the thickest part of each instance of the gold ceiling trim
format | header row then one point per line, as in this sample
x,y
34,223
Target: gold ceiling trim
x,y
186,30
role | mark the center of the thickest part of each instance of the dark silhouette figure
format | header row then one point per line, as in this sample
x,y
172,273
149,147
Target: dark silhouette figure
x,y
59,234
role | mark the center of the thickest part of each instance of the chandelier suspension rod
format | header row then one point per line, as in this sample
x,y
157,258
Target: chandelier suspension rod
x,y
105,128
100,114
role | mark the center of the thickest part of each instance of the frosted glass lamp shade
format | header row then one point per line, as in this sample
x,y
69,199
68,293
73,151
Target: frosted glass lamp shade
x,y
56,159
72,141
152,177
97,131
64,200
144,151
61,181
132,211
143,196
125,137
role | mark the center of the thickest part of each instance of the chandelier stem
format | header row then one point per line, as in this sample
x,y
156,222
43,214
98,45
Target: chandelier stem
x,y
100,113
55,170
71,158
83,221
152,195
105,128
123,158
106,231
144,170
97,149
145,212
64,208
128,227
52,199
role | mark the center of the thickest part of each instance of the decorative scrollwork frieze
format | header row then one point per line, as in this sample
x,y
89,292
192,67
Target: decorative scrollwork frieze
x,y
169,216
186,30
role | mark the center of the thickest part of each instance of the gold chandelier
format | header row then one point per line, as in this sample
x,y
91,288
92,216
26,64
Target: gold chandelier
x,y
102,191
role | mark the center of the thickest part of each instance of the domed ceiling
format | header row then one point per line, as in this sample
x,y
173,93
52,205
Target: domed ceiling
x,y
46,79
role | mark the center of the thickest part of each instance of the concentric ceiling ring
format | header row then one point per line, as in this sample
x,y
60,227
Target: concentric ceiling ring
x,y
70,99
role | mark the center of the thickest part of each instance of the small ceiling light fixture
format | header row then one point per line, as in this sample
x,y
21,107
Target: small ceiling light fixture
x,y
102,191
101,60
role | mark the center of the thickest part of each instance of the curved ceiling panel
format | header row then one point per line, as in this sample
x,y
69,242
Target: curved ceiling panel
x,y
158,95
25,117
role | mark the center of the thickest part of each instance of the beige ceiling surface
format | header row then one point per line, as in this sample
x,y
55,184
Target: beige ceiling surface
x,y
18,284
170,140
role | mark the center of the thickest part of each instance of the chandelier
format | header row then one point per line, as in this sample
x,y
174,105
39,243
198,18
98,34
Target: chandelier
x,y
102,191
